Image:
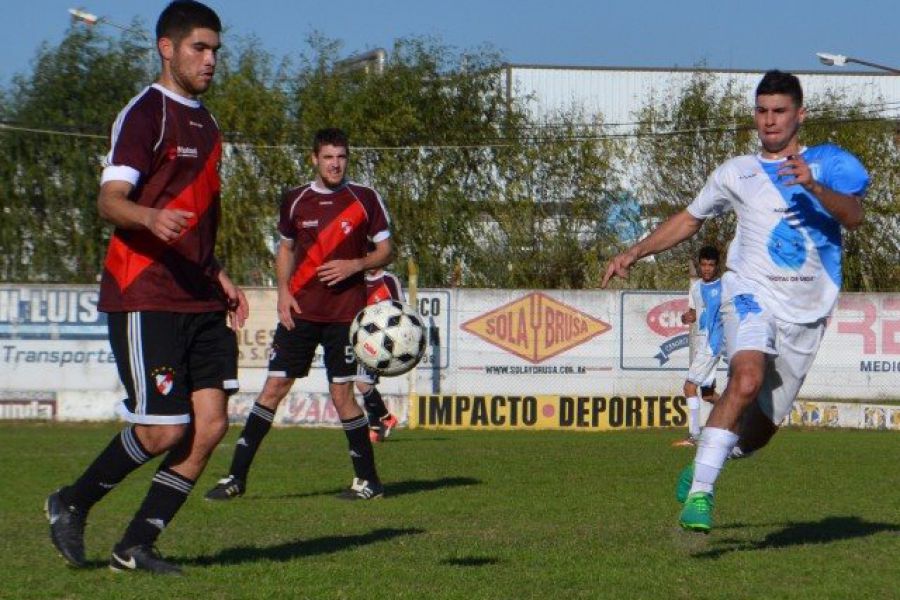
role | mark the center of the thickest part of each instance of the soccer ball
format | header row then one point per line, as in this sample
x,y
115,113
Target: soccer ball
x,y
388,337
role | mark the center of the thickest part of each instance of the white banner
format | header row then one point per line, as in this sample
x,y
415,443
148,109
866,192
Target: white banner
x,y
481,342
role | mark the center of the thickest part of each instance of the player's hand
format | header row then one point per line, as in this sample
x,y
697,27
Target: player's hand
x,y
335,271
689,316
287,308
797,171
168,225
238,307
619,266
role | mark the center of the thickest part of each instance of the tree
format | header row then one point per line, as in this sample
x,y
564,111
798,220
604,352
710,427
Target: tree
x,y
680,140
50,230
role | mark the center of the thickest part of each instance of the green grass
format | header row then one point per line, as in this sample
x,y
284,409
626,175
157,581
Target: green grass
x,y
478,515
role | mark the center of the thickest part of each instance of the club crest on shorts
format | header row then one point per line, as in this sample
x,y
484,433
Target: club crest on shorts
x,y
164,378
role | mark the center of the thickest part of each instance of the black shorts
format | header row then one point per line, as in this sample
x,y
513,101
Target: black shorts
x,y
163,357
293,350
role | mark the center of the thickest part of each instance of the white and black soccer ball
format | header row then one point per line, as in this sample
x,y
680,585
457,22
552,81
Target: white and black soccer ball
x,y
388,337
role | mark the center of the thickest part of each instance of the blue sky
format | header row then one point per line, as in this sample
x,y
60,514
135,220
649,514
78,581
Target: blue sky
x,y
654,33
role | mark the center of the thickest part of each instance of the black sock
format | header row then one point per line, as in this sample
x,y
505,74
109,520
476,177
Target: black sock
x,y
167,493
255,429
123,455
375,407
361,453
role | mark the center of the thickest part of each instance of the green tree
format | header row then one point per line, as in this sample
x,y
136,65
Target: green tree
x,y
50,230
680,140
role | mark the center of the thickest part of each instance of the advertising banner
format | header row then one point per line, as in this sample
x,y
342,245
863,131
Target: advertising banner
x,y
577,413
53,338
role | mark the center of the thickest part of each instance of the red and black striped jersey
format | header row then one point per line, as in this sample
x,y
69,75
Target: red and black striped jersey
x,y
383,285
168,147
325,225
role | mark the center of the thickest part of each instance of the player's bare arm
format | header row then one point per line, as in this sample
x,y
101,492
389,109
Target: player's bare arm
x,y
335,271
284,267
675,230
115,207
847,209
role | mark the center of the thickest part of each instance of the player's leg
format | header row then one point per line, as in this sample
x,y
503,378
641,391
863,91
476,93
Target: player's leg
x,y
693,406
381,421
340,364
290,357
797,346
157,409
750,335
211,361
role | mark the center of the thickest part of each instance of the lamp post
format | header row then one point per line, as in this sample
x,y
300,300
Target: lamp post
x,y
839,60
90,19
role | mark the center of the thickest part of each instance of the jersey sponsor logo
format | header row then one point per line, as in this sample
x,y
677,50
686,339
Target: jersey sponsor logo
x,y
195,124
164,378
187,152
536,327
747,175
312,223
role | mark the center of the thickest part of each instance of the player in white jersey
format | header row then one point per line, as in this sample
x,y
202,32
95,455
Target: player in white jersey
x,y
704,300
782,279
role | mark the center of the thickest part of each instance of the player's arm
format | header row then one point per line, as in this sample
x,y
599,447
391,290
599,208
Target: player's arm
x,y
284,268
115,207
238,307
675,230
847,209
336,271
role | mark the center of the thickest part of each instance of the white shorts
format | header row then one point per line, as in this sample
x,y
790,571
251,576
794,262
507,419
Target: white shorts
x,y
791,347
703,369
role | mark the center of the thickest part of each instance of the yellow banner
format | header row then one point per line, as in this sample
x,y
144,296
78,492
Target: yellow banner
x,y
581,413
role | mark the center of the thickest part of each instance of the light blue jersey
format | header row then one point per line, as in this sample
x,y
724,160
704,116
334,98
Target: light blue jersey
x,y
787,246
706,298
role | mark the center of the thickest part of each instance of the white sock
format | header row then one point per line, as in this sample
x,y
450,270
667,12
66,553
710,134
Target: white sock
x,y
714,447
693,404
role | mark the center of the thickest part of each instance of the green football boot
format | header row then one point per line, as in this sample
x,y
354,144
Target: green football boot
x,y
685,479
697,512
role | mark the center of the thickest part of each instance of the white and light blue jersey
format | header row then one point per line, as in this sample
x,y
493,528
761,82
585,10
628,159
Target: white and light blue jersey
x,y
706,298
787,246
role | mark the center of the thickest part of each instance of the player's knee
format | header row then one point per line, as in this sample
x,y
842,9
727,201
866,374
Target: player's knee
x,y
211,431
745,384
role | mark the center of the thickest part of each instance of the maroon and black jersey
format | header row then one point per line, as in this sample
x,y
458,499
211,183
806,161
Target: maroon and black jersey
x,y
169,148
326,225
381,286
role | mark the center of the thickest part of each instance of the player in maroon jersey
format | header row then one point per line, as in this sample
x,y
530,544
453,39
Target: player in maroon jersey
x,y
381,285
326,227
168,299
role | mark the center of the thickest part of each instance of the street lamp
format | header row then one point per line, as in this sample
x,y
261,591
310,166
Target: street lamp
x,y
90,19
839,60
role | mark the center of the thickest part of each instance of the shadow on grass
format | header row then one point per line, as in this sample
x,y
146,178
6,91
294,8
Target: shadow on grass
x,y
470,561
298,549
396,488
825,531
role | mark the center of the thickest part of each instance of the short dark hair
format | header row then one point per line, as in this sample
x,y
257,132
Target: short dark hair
x,y
779,82
709,253
181,17
330,136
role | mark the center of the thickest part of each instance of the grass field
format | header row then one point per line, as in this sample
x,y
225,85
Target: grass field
x,y
478,515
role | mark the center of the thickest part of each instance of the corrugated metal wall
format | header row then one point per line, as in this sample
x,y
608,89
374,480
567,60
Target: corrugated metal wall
x,y
618,93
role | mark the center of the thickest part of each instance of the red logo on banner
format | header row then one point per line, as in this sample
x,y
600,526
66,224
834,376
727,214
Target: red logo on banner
x,y
665,318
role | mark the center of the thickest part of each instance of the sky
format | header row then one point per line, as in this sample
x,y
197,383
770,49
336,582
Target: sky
x,y
655,33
